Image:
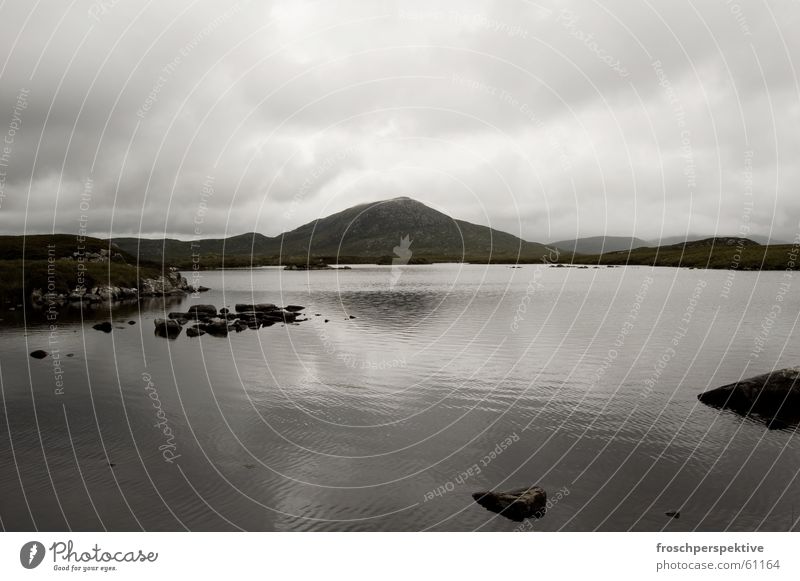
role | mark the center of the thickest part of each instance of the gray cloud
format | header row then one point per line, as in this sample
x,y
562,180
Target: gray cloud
x,y
547,120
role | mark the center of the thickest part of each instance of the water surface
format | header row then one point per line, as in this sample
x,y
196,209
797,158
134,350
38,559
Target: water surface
x,y
390,420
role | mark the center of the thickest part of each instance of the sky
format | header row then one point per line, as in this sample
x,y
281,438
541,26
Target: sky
x,y
549,120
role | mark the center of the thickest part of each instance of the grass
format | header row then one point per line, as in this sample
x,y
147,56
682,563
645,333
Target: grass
x,y
38,246
719,256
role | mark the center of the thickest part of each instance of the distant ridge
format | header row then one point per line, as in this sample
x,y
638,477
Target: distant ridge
x,y
730,253
599,244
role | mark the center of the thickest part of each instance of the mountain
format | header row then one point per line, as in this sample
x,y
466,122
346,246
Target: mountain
x,y
364,233
599,244
374,229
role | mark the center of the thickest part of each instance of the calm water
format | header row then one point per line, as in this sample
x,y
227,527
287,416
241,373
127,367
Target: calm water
x,y
352,424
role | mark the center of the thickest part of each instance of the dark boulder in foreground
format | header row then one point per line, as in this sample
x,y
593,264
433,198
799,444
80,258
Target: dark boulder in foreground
x,y
772,397
38,354
517,504
168,328
105,327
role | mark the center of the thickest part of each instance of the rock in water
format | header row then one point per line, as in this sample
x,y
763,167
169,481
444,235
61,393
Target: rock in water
x,y
772,396
260,307
194,332
105,327
168,328
38,354
203,310
216,328
517,504
293,308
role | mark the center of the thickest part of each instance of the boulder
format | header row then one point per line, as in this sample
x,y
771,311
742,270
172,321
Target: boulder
x,y
216,327
259,307
200,310
168,328
105,327
176,315
517,504
180,318
194,332
38,354
293,308
771,396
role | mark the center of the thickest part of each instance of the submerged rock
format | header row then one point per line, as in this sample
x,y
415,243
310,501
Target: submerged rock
x,y
773,397
39,354
517,504
105,327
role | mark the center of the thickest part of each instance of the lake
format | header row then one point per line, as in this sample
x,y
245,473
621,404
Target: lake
x,y
450,379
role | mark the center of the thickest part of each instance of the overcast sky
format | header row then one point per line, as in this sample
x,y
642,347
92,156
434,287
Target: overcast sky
x,y
544,119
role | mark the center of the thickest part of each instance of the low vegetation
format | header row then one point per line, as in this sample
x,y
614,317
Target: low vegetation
x,y
62,276
727,253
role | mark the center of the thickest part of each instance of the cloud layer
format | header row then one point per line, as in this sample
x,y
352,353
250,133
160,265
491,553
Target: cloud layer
x,y
545,119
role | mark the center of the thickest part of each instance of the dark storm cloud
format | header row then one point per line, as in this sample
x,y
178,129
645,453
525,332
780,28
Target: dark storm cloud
x,y
548,120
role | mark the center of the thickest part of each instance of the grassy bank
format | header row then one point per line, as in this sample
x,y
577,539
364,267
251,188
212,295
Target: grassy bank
x,y
716,256
62,276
